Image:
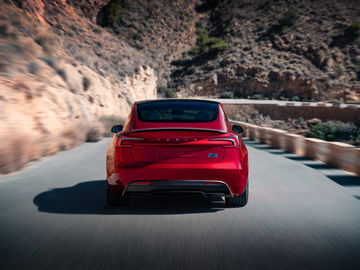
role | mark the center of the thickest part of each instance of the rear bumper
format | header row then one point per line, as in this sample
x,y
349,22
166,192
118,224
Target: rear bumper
x,y
204,188
226,178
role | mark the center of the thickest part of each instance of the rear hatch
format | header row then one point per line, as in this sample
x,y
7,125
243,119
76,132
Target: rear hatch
x,y
176,146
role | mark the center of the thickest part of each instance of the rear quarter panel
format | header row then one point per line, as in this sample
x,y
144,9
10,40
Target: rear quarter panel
x,y
110,157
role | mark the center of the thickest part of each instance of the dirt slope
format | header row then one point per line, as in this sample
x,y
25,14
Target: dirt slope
x,y
59,73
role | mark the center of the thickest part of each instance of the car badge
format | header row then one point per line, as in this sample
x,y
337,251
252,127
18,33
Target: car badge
x,y
213,155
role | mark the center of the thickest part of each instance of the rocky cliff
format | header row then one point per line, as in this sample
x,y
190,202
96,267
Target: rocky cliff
x,y
301,50
161,29
60,73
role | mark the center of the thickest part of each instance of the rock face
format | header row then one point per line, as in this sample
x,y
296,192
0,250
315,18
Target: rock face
x,y
278,49
89,8
60,73
161,29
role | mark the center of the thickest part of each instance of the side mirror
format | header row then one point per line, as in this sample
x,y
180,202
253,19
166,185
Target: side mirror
x,y
116,129
237,129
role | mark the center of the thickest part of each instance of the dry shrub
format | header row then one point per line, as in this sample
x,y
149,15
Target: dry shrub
x,y
18,19
22,47
18,152
14,154
108,121
73,135
47,41
84,131
26,46
94,132
6,61
22,148
34,149
4,30
86,82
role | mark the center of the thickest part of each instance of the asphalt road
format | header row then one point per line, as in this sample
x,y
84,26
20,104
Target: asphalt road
x,y
301,215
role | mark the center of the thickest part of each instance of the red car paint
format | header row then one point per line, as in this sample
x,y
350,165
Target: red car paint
x,y
144,153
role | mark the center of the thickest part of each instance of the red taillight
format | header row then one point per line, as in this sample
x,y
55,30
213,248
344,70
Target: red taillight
x,y
231,141
126,141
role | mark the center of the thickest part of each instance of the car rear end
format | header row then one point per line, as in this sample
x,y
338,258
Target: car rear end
x,y
179,147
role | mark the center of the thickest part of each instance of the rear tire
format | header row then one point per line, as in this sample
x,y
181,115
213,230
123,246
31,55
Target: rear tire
x,y
238,201
114,198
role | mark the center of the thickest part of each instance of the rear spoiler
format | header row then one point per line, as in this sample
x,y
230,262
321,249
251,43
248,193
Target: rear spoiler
x,y
177,128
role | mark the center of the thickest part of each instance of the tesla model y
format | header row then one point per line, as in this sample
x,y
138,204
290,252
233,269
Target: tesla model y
x,y
177,146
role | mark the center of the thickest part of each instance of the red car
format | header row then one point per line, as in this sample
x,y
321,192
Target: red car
x,y
177,146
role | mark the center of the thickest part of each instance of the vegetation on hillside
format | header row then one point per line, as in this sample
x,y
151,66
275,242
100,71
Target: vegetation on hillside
x,y
209,45
289,18
352,31
336,131
167,91
115,10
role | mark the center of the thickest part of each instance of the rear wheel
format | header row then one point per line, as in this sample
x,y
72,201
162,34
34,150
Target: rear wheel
x,y
238,201
114,198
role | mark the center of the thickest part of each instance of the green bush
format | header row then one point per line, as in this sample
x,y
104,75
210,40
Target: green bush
x,y
227,94
257,96
295,98
267,4
166,92
206,44
352,31
335,131
289,18
115,10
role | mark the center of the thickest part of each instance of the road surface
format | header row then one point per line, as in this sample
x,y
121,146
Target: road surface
x,y
301,215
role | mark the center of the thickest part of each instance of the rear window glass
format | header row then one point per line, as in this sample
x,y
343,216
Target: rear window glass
x,y
178,111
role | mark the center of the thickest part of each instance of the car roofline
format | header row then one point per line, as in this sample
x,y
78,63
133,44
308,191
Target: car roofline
x,y
176,99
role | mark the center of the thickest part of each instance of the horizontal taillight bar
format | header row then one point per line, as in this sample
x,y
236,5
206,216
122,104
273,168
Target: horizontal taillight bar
x,y
124,141
233,141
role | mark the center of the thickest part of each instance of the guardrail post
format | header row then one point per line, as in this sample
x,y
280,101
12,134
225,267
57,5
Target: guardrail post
x,y
344,156
317,149
275,137
295,144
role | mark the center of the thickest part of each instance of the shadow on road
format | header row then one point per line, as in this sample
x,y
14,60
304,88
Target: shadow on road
x,y
337,175
89,198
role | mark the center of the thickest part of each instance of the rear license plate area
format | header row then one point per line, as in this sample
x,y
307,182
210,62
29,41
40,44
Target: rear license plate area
x,y
163,154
